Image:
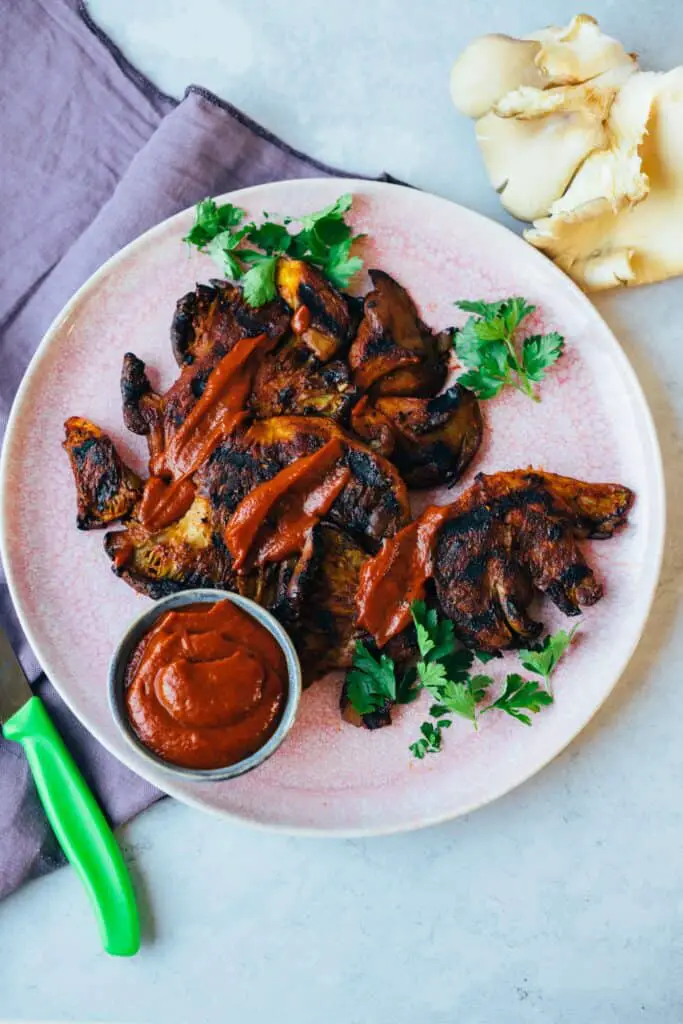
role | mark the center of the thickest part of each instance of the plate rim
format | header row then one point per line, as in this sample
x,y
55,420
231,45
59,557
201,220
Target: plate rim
x,y
658,511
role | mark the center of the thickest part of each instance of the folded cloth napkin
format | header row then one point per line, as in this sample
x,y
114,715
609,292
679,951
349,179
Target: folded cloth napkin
x,y
92,155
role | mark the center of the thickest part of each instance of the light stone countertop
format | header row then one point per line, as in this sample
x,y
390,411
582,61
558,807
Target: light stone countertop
x,y
561,903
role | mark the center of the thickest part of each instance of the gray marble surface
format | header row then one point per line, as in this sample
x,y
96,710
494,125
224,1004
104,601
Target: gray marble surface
x,y
562,902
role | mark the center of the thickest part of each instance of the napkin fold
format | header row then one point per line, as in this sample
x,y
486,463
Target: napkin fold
x,y
92,155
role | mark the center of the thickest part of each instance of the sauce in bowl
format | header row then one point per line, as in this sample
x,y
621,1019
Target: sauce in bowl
x,y
206,687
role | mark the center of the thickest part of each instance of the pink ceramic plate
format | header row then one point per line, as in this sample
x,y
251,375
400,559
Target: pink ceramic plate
x,y
330,777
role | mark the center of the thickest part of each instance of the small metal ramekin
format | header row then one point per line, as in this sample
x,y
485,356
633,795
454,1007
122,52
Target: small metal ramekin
x,y
143,623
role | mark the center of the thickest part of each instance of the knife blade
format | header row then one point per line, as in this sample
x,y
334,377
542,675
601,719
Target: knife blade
x,y
14,688
71,809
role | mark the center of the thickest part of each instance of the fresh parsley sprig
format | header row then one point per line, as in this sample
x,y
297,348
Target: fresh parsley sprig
x,y
445,672
487,348
249,252
430,740
371,684
442,669
542,658
518,696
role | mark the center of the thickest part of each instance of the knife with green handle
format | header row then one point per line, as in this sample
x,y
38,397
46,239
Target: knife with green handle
x,y
74,815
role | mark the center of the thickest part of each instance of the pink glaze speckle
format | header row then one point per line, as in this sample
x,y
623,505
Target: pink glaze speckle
x,y
593,422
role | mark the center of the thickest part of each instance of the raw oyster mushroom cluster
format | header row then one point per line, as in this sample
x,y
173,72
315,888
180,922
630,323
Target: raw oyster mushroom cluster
x,y
580,141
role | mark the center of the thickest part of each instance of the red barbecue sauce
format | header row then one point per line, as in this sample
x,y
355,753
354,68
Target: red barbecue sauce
x,y
170,491
207,686
273,521
397,575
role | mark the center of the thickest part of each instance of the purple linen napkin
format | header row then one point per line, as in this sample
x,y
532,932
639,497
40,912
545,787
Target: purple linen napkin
x,y
92,155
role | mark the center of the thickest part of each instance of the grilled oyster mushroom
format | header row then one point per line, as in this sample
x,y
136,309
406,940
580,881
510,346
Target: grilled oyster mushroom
x,y
595,510
374,503
294,382
430,440
513,532
325,639
106,489
183,555
191,553
323,318
211,319
158,417
394,352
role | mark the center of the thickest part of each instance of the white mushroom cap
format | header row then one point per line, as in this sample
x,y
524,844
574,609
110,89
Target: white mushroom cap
x,y
530,163
632,234
578,52
490,67
594,97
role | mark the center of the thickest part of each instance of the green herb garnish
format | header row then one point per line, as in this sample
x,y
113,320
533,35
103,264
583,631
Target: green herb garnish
x,y
486,347
371,683
323,239
444,671
518,696
430,741
542,658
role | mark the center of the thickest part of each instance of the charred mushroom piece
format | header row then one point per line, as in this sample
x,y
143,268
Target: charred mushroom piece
x,y
326,636
106,489
294,382
183,555
158,417
430,440
209,321
394,352
513,532
191,553
143,408
372,505
323,318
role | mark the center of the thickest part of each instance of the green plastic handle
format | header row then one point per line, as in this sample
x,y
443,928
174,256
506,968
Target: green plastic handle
x,y
80,827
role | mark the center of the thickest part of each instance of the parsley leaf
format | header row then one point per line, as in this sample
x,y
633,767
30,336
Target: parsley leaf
x,y
458,665
489,310
478,685
407,687
485,346
339,266
492,373
444,671
323,239
542,658
259,282
271,237
335,211
211,220
458,699
221,249
432,676
540,351
520,695
434,639
371,682
485,656
430,742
